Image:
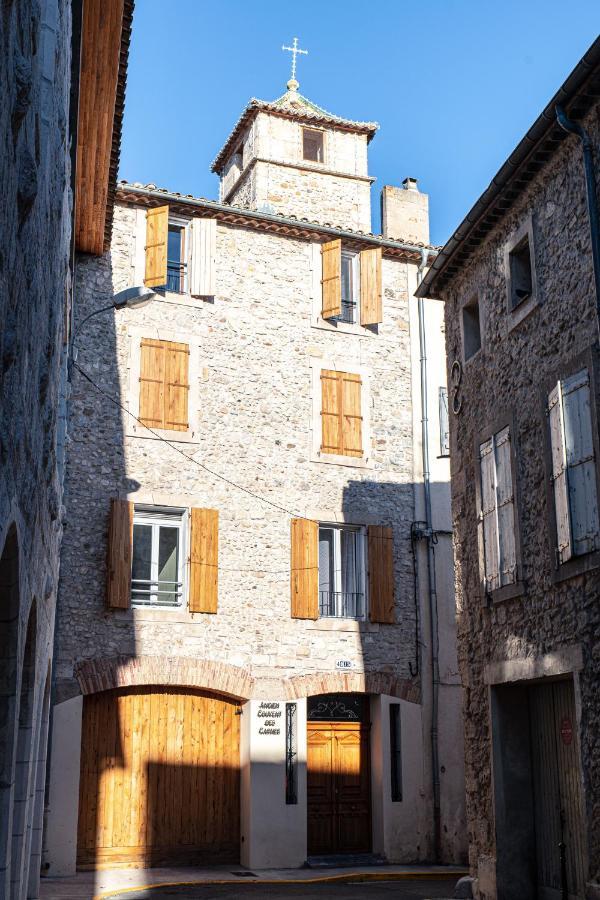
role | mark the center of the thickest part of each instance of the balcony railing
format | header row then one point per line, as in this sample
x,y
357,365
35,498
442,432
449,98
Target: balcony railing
x,y
348,313
176,274
146,592
341,604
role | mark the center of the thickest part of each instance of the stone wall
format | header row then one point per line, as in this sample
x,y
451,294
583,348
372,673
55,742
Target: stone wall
x,y
508,374
35,224
253,400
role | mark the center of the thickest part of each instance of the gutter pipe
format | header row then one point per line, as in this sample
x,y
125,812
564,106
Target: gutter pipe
x,y
592,198
429,535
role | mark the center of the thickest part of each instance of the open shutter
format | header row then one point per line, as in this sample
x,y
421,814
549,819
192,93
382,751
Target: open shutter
x,y
331,280
488,514
203,257
351,414
380,547
176,386
581,463
371,305
331,412
506,508
564,548
157,235
204,560
304,569
120,543
164,384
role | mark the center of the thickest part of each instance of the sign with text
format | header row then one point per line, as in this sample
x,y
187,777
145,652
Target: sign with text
x,y
344,664
269,716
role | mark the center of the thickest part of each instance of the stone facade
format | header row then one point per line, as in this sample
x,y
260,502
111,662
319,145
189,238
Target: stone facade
x,y
35,224
551,628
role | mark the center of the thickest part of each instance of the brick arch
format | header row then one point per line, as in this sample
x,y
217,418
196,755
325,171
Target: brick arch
x,y
96,675
351,683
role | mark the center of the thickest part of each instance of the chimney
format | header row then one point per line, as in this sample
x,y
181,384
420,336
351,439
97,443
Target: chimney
x,y
405,213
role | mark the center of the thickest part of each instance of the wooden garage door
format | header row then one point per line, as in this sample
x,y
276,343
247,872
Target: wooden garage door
x,y
159,778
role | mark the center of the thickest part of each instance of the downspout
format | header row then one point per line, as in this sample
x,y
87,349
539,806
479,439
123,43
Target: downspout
x,y
428,534
592,198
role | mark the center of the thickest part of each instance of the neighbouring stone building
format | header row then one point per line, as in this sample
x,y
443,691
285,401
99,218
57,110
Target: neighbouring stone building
x,y
43,100
252,662
517,279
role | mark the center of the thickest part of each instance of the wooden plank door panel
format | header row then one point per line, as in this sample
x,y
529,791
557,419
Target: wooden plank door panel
x,y
353,799
320,790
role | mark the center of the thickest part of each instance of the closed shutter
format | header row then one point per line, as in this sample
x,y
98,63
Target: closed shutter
x,y
204,560
488,515
164,386
304,569
371,305
120,542
581,463
505,504
564,548
380,554
157,235
331,279
203,257
341,407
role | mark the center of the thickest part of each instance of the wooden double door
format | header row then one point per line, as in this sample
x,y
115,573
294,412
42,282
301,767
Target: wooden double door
x,y
338,788
159,781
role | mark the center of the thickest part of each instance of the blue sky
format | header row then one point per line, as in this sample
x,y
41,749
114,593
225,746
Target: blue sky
x,y
454,84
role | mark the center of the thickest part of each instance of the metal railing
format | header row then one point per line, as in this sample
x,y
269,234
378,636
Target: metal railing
x,y
348,313
146,592
176,273
341,604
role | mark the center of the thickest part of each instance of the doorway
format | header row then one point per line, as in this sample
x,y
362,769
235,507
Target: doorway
x,y
338,775
540,824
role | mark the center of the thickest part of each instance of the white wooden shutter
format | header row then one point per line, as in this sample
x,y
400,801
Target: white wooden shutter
x,y
505,506
203,257
488,514
580,460
564,547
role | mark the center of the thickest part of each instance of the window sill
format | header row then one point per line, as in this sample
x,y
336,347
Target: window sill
x,y
522,311
471,359
355,462
345,327
577,566
176,299
507,592
330,623
174,437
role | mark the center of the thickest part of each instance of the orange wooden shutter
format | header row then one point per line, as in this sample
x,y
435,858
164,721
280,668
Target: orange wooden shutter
x,y
164,384
331,280
341,430
204,560
305,569
380,551
120,542
371,306
157,235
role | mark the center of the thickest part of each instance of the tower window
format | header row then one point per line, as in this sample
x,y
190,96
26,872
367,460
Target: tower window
x,y
312,145
471,328
521,281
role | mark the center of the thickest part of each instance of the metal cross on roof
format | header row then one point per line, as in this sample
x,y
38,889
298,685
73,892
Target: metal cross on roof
x,y
294,50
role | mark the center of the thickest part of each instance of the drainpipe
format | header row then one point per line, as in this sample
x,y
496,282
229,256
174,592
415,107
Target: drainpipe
x,y
592,198
428,534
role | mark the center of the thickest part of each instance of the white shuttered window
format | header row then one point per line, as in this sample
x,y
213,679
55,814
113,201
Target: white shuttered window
x,y
498,511
573,467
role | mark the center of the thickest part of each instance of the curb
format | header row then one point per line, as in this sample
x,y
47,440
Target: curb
x,y
349,878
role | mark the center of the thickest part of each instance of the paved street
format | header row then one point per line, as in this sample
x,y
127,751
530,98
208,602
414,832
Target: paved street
x,y
405,889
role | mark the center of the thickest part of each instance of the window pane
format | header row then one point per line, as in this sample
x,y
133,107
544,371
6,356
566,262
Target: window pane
x,y
326,586
168,547
142,559
350,574
174,244
346,277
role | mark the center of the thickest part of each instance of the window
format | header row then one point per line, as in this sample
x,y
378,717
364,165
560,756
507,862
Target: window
x,y
291,754
341,571
444,422
471,328
312,145
395,753
573,467
157,557
341,418
350,287
497,511
520,273
164,384
176,265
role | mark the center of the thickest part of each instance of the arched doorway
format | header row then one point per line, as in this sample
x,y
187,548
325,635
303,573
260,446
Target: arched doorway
x,y
338,774
160,778
9,643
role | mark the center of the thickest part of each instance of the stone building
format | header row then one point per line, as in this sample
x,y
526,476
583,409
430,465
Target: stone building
x,y
43,100
517,279
247,665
